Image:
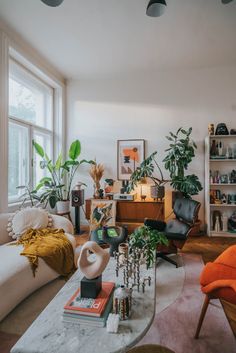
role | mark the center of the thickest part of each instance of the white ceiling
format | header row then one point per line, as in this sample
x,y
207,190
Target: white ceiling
x,y
93,38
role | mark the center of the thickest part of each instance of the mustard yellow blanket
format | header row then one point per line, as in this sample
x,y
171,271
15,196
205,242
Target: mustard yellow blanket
x,y
52,246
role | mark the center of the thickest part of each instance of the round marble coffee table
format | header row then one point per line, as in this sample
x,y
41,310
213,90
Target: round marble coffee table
x,y
50,334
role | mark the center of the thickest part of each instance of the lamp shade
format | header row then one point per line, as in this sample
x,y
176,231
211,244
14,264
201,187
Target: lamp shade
x,y
52,3
156,8
226,1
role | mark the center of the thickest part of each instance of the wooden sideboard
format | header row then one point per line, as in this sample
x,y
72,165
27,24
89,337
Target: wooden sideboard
x,y
133,213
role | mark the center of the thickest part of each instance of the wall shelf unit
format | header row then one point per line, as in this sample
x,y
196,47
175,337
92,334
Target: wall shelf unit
x,y
217,189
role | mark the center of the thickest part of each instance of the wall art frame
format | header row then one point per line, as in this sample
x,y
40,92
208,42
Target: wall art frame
x,y
130,154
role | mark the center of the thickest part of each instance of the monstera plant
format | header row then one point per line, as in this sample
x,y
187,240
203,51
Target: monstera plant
x,y
56,187
179,155
149,169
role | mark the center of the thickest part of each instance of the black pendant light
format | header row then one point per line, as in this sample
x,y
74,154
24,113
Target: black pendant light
x,y
52,3
226,1
156,8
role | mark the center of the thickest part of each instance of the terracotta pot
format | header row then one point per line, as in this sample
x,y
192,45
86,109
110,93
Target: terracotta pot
x,y
157,192
63,206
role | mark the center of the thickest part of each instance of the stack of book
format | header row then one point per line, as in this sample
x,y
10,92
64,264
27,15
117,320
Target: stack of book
x,y
90,311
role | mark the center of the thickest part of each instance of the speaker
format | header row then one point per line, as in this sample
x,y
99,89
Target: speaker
x,y
77,198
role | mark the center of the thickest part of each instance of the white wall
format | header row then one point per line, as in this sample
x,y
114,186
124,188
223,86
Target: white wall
x,y
102,111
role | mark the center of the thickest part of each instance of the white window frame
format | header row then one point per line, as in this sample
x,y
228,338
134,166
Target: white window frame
x,y
13,46
32,128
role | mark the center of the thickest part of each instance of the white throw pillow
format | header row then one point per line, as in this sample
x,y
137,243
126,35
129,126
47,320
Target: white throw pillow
x,y
28,218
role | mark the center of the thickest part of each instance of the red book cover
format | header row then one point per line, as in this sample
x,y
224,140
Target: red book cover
x,y
89,306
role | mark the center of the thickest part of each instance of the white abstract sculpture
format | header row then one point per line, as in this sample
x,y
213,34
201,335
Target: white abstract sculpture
x,y
93,269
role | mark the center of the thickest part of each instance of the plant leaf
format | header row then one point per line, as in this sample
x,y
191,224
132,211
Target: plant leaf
x,y
75,150
39,149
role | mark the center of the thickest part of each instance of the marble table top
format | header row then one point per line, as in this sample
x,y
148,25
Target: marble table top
x,y
50,334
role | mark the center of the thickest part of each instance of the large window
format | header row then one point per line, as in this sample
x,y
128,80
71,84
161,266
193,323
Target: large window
x,y
30,117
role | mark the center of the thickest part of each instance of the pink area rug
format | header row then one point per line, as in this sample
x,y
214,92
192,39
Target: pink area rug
x,y
174,327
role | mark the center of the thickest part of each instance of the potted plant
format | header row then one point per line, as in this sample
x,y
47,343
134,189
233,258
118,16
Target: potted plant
x,y
147,170
179,155
147,239
55,189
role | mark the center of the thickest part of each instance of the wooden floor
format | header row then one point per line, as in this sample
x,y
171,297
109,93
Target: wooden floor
x,y
209,248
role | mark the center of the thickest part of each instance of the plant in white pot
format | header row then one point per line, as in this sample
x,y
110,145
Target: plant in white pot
x,y
55,188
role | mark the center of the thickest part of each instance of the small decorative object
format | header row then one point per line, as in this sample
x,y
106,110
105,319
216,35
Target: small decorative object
x,y
220,148
103,212
232,223
213,150
224,198
225,222
96,173
122,302
114,241
217,221
233,132
211,129
234,154
217,224
123,250
130,154
108,187
222,129
233,177
92,282
113,323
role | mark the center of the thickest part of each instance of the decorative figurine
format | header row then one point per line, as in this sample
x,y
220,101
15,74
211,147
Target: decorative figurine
x,y
91,284
211,129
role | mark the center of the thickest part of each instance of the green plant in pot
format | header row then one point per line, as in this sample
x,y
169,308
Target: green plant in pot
x,y
148,169
179,155
147,239
55,189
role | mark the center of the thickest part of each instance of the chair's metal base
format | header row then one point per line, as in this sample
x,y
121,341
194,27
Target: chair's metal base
x,y
165,257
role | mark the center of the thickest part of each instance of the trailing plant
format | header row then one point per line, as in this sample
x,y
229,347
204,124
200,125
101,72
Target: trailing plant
x,y
147,239
147,169
180,153
57,186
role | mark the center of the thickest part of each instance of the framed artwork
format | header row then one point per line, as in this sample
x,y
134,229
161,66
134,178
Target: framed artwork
x,y
103,212
130,153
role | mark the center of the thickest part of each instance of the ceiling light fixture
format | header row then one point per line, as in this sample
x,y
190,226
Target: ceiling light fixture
x,y
156,8
52,3
226,1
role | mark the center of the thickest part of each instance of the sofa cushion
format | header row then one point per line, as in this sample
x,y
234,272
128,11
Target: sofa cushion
x,y
28,218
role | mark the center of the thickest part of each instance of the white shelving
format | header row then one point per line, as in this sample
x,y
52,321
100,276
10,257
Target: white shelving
x,y
224,166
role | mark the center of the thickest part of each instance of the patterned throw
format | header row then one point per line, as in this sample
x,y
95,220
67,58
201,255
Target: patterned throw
x,y
52,246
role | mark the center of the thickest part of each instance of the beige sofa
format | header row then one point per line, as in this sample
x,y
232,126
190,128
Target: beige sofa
x,y
16,278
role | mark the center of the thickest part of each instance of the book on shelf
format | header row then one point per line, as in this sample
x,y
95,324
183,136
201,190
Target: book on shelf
x,y
88,306
89,320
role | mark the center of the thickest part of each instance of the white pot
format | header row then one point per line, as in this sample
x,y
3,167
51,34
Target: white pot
x,y
63,207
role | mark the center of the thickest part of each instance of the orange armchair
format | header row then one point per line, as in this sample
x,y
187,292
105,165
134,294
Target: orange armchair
x,y
218,280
